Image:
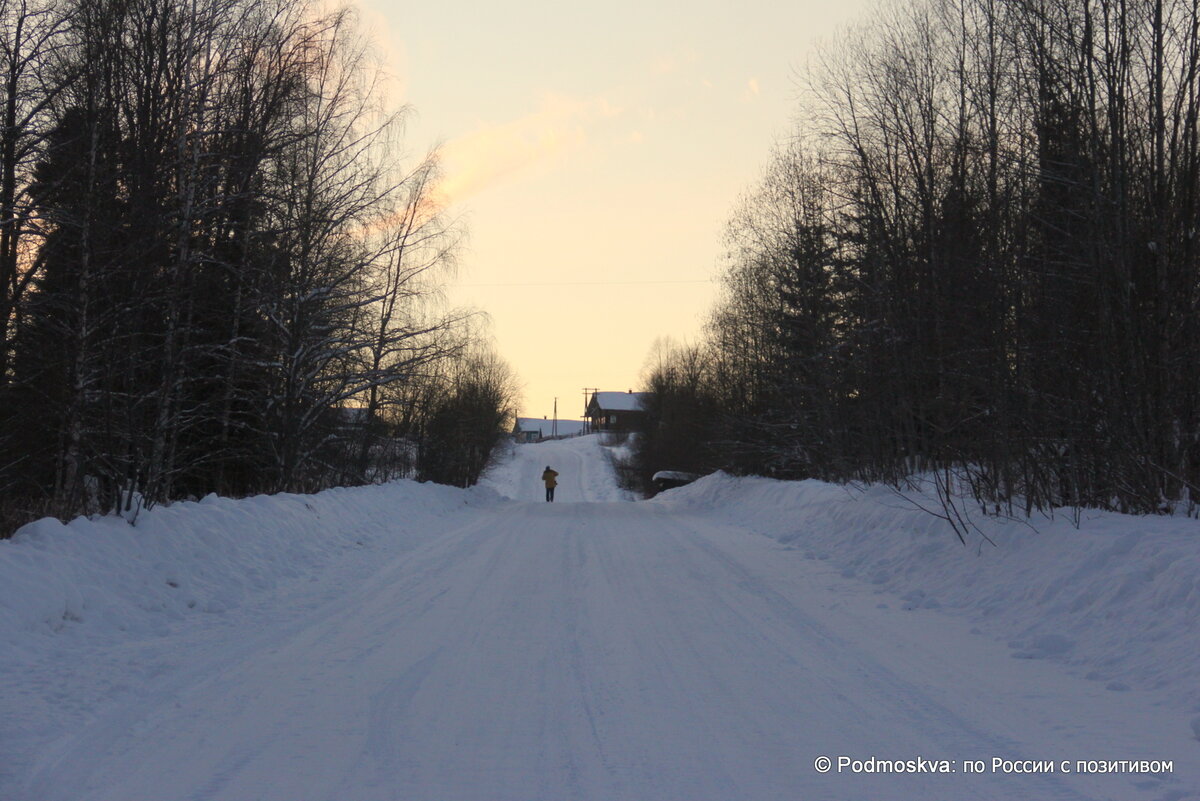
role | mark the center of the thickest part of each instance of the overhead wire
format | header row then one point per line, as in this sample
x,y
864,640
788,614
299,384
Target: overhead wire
x,y
584,283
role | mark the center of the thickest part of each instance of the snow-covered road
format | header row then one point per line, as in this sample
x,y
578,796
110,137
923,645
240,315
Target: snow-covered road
x,y
603,650
584,472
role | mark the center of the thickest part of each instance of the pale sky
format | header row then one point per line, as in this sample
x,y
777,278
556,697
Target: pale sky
x,y
596,152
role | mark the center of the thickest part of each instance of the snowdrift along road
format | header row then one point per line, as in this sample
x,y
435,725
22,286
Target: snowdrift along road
x,y
416,642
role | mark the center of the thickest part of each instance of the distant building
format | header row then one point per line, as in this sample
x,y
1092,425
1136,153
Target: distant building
x,y
534,429
616,411
350,418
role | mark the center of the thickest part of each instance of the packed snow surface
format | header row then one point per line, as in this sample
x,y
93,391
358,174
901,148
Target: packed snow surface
x,y
419,642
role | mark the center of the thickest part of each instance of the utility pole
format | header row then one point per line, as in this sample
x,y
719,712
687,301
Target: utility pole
x,y
554,425
586,399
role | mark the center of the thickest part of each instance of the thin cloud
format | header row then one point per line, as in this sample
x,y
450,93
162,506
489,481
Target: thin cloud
x,y
494,154
384,45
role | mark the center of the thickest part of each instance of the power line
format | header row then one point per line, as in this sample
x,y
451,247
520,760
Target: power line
x,y
589,283
587,394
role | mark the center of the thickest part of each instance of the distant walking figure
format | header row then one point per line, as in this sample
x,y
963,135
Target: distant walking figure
x,y
548,477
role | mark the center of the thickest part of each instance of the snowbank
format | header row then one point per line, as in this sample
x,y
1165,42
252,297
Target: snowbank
x,y
95,611
1117,599
195,558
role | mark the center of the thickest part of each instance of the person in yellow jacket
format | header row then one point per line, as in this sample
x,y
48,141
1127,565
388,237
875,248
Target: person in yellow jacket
x,y
548,478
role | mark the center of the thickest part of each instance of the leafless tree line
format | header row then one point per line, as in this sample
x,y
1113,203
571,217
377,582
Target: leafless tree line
x,y
218,274
976,259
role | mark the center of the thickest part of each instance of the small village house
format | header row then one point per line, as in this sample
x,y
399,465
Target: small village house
x,y
616,411
536,429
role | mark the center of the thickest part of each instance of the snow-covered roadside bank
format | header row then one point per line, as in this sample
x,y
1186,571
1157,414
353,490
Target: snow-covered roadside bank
x,y
91,610
1117,600
188,558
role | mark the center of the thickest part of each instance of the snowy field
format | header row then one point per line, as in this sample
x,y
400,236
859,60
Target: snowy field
x,y
420,642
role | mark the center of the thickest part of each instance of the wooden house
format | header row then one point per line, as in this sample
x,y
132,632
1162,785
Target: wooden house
x,y
616,411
